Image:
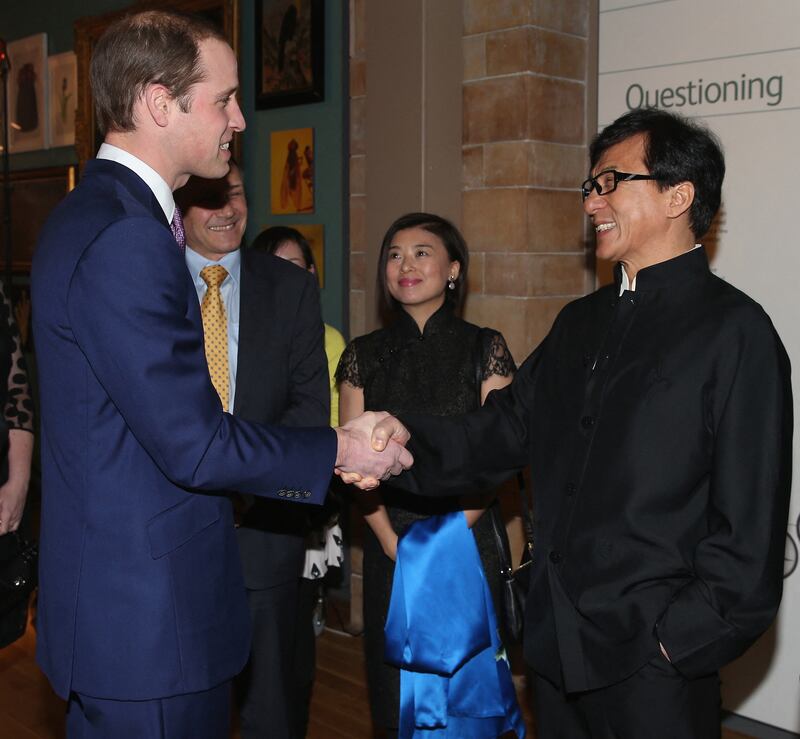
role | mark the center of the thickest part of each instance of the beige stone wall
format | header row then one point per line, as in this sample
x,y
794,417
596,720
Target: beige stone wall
x,y
524,156
358,255
358,166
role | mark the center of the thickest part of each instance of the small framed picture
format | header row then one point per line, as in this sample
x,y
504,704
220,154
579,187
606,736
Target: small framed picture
x,y
27,94
289,52
34,194
63,73
292,171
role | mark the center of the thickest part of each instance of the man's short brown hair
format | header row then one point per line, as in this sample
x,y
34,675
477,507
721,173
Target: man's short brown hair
x,y
152,47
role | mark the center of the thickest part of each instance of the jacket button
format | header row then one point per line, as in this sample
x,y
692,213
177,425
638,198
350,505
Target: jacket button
x,y
555,557
587,422
307,494
571,488
281,493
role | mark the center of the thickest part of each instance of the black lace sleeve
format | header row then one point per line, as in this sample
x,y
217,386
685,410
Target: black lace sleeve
x,y
18,410
497,359
347,371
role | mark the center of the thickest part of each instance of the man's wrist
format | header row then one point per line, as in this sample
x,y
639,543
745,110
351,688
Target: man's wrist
x,y
342,443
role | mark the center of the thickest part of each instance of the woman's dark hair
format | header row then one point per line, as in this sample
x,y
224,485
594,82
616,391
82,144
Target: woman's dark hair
x,y
270,239
451,238
675,150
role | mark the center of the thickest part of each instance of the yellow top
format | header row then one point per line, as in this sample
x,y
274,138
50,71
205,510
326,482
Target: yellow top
x,y
334,346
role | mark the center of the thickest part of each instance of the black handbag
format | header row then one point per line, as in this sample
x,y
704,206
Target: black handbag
x,y
515,581
18,578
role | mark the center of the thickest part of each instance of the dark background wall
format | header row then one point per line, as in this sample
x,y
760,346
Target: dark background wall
x,y
328,118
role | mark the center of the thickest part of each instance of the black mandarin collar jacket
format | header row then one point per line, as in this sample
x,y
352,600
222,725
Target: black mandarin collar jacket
x,y
658,428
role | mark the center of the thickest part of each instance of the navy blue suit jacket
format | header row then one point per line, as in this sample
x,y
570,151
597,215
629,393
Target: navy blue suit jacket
x,y
141,592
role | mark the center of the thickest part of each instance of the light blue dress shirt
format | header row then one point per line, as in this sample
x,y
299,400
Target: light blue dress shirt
x,y
230,292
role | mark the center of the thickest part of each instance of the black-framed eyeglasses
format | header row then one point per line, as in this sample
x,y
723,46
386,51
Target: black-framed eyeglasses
x,y
606,182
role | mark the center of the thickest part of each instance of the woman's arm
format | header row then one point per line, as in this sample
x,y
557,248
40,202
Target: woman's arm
x,y
15,490
351,405
18,413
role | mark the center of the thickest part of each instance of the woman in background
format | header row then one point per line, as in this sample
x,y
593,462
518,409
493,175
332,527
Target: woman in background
x,y
324,540
16,450
428,361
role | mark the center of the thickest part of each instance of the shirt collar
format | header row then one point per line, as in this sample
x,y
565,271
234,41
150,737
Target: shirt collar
x,y
232,263
152,179
660,274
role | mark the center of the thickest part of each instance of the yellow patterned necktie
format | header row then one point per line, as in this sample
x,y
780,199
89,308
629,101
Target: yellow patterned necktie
x,y
215,329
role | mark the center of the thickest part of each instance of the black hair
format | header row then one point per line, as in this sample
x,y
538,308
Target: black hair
x,y
210,194
675,150
451,238
270,239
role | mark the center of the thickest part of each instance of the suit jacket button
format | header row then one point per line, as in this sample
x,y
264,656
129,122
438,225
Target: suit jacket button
x,y
307,494
282,493
587,422
555,557
570,488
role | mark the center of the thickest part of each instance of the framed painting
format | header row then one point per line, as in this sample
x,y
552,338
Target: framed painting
x,y
27,94
224,13
290,51
63,74
292,171
34,194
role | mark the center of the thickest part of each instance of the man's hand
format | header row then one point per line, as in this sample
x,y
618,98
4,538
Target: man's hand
x,y
388,429
371,448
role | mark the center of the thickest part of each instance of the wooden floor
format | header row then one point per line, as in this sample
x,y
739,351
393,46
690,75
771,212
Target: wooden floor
x,y
30,710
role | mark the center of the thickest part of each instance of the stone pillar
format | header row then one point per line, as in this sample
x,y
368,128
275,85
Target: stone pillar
x,y
524,157
519,136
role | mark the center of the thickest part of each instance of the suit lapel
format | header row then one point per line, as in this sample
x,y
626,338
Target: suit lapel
x,y
126,179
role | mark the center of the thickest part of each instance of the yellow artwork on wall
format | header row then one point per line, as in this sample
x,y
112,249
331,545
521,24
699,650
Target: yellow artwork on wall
x,y
292,171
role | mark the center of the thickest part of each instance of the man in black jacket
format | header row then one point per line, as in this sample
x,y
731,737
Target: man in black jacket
x,y
278,375
657,420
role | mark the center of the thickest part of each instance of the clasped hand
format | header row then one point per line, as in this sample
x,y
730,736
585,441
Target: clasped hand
x,y
372,448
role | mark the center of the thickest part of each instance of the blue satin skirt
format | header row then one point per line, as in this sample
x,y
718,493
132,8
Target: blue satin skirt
x,y
441,631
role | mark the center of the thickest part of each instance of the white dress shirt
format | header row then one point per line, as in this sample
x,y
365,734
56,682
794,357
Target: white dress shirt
x,y
152,179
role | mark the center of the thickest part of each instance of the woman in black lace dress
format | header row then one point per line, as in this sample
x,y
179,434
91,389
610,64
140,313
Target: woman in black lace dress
x,y
428,361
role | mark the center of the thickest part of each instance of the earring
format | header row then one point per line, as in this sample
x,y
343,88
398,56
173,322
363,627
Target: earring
x,y
451,283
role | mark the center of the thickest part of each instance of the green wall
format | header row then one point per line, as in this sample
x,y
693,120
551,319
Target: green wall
x,y
328,118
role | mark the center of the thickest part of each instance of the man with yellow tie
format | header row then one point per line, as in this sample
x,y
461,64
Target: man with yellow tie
x,y
265,351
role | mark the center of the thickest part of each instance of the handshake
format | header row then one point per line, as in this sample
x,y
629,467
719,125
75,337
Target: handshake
x,y
371,448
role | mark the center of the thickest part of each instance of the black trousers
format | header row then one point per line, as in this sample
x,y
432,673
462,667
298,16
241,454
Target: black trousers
x,y
656,702
264,688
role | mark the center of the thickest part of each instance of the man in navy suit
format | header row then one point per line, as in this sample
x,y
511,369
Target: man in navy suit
x,y
278,373
143,617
